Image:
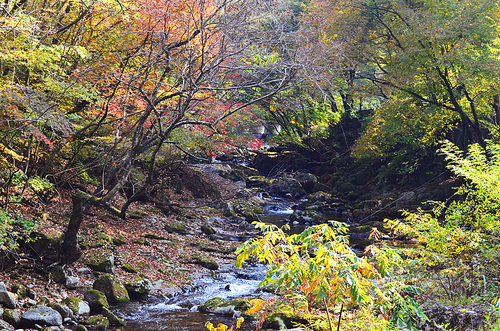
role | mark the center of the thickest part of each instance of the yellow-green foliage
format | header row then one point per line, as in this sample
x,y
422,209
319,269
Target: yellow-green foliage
x,y
317,267
459,241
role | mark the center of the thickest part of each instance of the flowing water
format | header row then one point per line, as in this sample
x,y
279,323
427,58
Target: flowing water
x,y
180,312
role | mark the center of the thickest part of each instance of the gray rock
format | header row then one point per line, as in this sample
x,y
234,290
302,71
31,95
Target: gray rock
x,y
288,186
31,302
3,287
42,315
72,282
9,299
64,310
102,261
78,306
307,181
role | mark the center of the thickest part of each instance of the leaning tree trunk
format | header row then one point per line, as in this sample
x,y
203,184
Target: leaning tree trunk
x,y
70,250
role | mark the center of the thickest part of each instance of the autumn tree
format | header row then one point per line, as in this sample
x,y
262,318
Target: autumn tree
x,y
174,64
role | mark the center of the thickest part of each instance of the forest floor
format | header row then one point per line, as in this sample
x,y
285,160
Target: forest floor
x,y
166,249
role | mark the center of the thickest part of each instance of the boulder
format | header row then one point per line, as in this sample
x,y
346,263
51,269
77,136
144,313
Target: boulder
x,y
8,299
41,315
97,300
3,287
78,306
114,291
206,262
139,289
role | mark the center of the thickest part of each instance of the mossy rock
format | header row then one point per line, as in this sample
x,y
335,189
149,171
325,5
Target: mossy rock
x,y
114,291
214,302
97,300
128,268
101,261
206,262
98,322
226,307
100,239
176,228
207,230
206,247
77,306
112,318
12,317
153,236
118,241
139,288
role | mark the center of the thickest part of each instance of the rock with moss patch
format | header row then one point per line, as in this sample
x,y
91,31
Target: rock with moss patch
x,y
118,241
101,261
98,322
142,241
206,262
97,300
41,315
214,302
139,289
176,228
128,268
113,319
12,317
112,288
78,306
153,236
80,327
234,307
206,229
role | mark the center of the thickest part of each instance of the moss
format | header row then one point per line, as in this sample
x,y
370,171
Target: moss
x,y
214,302
113,319
206,262
142,241
128,268
175,228
118,241
201,245
153,236
98,322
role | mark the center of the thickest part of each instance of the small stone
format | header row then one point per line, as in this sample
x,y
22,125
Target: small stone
x,y
72,282
31,302
3,287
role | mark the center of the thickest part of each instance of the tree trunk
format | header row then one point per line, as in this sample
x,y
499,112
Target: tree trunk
x,y
70,251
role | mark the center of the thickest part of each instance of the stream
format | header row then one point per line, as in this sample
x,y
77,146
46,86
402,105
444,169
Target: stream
x,y
180,312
